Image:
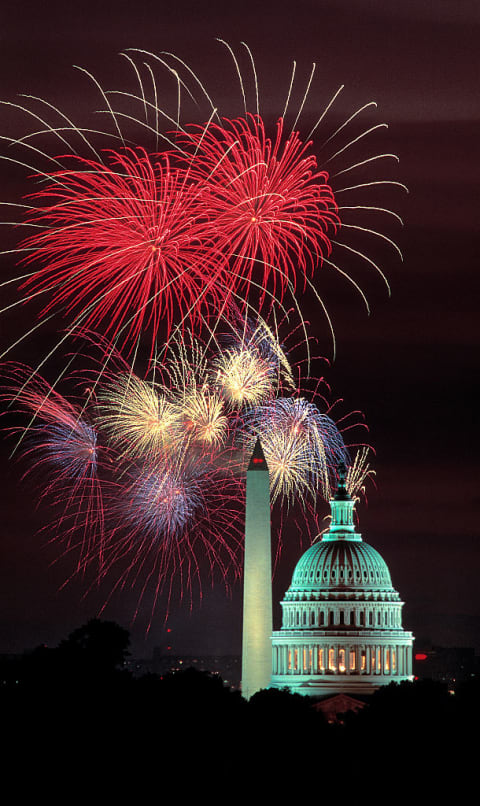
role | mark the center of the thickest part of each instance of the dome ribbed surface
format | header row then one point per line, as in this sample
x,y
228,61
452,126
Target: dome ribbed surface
x,y
339,564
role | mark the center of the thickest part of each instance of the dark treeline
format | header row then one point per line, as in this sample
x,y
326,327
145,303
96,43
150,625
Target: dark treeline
x,y
77,703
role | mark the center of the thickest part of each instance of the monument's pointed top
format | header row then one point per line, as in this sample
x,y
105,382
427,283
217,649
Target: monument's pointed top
x,y
257,459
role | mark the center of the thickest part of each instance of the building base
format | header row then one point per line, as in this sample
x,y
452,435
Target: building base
x,y
321,685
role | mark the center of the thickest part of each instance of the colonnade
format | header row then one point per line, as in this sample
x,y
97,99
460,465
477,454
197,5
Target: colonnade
x,y
384,615
303,658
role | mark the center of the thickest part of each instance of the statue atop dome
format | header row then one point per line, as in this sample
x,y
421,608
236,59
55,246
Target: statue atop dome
x,y
342,492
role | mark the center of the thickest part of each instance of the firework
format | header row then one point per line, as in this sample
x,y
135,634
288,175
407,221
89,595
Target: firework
x,y
204,416
273,210
125,245
141,420
163,502
69,442
250,369
178,521
302,447
61,447
143,245
131,242
243,378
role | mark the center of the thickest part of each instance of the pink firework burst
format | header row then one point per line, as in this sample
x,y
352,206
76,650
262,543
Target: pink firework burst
x,y
270,204
62,449
125,245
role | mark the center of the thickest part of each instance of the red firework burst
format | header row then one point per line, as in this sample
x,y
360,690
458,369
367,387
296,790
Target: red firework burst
x,y
268,201
124,244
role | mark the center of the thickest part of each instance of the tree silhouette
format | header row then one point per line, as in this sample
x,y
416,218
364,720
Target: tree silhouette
x,y
100,647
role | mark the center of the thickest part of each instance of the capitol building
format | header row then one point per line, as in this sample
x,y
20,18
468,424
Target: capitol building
x,y
342,618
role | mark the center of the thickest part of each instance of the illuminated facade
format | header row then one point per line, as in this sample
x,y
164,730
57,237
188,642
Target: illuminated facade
x,y
342,618
257,580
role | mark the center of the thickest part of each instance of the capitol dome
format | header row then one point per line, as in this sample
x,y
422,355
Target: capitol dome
x,y
342,624
335,566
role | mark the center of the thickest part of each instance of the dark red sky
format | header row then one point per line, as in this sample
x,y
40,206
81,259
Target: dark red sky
x,y
412,366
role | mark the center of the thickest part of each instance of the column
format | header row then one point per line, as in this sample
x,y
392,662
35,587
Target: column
x,y
358,659
368,659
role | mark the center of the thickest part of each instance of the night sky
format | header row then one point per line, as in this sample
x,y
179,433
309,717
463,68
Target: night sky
x,y
411,367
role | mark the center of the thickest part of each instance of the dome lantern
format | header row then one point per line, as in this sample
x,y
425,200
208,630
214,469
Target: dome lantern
x,y
342,506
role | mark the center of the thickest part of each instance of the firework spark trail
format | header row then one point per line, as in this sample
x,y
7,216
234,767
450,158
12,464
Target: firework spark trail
x,y
359,472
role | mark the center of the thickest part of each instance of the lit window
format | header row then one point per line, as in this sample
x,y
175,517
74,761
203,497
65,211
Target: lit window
x,y
352,659
363,661
321,660
289,660
394,660
341,660
387,660
295,660
331,660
